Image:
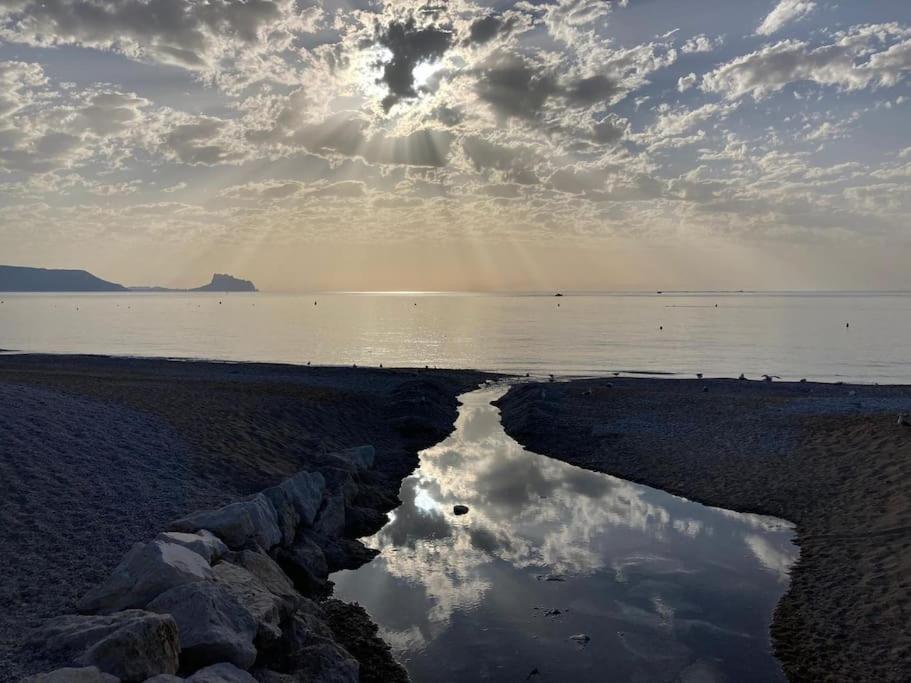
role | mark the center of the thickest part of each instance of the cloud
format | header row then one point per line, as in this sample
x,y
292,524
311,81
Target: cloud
x,y
684,83
785,12
200,140
838,64
192,34
409,45
516,86
701,43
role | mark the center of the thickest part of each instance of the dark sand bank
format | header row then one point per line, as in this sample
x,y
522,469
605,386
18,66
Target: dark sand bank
x,y
830,458
97,453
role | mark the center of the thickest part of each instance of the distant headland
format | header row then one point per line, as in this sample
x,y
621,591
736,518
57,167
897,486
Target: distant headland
x,y
24,279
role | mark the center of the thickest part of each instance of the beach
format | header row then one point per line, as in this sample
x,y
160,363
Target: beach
x,y
829,457
99,453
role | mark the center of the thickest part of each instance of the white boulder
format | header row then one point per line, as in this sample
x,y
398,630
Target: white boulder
x,y
203,542
238,524
145,572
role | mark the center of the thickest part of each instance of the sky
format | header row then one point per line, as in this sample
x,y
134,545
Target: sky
x,y
528,145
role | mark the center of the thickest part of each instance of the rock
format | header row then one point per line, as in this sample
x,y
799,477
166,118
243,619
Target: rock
x,y
581,639
89,674
268,572
353,629
269,676
145,572
165,678
266,609
341,476
305,563
238,524
141,649
286,514
221,673
460,509
214,627
363,521
203,542
308,651
330,521
306,492
345,553
327,663
132,645
362,456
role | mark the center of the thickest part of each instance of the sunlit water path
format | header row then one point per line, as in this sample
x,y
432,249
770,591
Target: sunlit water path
x,y
655,587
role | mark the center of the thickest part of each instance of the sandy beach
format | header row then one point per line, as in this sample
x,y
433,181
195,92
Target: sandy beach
x,y
98,453
830,458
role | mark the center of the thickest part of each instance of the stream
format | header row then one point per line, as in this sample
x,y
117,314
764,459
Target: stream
x,y
561,574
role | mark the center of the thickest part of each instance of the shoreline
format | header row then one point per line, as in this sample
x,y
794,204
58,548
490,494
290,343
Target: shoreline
x,y
102,452
829,458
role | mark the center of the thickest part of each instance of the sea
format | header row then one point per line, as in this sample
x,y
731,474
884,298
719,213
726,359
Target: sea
x,y
832,336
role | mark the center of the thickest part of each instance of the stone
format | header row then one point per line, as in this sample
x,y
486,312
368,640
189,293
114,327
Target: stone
x,y
141,649
132,645
296,501
363,521
221,673
345,553
362,456
307,649
266,609
214,627
286,514
460,509
88,674
267,571
252,521
164,678
327,663
203,542
331,518
269,676
305,563
146,571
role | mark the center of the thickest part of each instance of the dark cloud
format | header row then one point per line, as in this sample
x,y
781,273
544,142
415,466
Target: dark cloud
x,y
409,46
609,131
197,143
170,30
588,91
515,86
516,163
487,28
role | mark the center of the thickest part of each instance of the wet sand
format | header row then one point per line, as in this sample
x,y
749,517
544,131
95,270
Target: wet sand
x,y
830,458
98,453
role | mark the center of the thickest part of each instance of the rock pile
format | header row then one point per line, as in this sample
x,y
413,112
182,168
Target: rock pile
x,y
229,595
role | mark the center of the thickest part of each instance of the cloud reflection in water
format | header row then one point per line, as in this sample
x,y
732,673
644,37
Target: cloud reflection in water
x,y
663,586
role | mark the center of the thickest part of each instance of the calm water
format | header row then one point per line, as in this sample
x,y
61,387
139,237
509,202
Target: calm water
x,y
789,335
665,589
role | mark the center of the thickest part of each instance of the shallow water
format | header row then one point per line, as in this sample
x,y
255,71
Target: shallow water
x,y
791,335
665,589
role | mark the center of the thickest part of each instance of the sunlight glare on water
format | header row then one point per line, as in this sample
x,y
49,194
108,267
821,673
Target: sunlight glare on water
x,y
792,336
